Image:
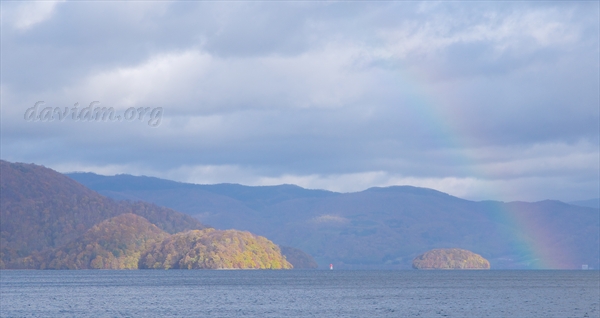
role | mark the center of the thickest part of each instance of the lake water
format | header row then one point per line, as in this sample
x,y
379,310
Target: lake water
x,y
194,293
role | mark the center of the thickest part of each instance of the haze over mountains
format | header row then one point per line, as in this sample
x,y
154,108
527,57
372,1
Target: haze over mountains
x,y
378,227
591,203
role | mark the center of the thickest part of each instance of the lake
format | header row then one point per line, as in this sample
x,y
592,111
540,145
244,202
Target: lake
x,y
224,293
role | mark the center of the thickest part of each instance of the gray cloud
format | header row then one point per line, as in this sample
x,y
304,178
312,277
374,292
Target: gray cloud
x,y
485,100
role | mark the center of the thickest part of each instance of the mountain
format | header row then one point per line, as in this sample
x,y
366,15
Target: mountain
x,y
126,186
42,209
591,203
298,258
380,227
50,221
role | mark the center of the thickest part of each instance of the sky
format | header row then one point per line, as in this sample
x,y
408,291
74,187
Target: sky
x,y
481,100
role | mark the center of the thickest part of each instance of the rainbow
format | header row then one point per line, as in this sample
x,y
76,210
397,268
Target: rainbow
x,y
530,241
533,242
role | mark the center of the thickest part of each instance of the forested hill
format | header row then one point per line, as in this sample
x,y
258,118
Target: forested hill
x,y
379,227
41,209
129,241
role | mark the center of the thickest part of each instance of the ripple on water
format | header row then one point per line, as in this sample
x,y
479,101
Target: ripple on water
x,y
299,293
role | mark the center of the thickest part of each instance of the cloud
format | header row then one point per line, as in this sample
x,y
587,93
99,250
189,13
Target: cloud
x,y
486,100
25,15
557,159
480,40
195,83
502,175
504,31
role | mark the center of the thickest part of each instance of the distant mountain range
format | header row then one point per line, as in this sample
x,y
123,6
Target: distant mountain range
x,y
50,221
378,227
591,203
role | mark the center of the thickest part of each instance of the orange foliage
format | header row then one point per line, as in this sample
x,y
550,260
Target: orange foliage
x,y
212,249
42,209
451,258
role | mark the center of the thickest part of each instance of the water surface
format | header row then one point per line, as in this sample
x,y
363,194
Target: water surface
x,y
193,293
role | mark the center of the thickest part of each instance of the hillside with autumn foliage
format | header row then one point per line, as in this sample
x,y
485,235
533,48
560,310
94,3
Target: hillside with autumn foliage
x,y
116,243
450,258
50,221
213,249
42,209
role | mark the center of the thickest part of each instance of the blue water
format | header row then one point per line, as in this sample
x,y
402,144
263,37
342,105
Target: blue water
x,y
182,293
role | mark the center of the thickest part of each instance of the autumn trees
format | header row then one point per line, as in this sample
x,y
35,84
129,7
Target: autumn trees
x,y
451,258
129,241
213,249
50,221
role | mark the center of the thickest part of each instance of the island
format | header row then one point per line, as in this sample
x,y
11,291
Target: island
x,y
450,258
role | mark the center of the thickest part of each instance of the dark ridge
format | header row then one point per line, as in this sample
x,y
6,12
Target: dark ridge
x,y
407,190
253,196
41,209
122,182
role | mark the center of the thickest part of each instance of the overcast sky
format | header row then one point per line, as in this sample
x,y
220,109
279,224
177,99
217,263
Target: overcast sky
x,y
482,100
